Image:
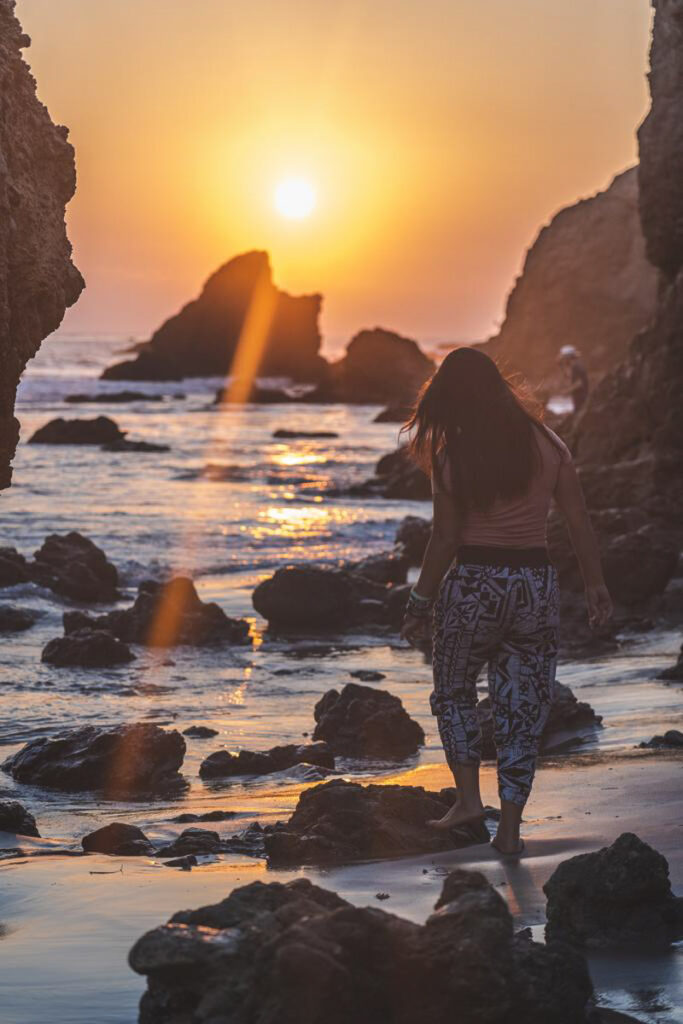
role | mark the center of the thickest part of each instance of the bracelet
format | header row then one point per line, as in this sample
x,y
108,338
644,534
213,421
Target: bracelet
x,y
418,605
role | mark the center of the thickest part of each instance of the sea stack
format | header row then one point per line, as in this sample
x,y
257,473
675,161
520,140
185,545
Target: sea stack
x,y
37,179
202,339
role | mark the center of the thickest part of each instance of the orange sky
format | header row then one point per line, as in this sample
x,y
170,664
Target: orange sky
x,y
439,134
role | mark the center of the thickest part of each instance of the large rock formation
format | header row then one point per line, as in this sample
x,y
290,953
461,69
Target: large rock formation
x,y
239,299
586,282
37,179
298,954
364,722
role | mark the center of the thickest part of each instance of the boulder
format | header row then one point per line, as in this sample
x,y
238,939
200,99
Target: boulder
x,y
298,953
201,340
120,759
396,476
313,597
200,732
394,414
73,566
119,839
14,818
568,722
364,722
378,367
388,567
222,763
192,842
37,179
15,620
100,431
90,648
165,614
618,896
13,567
675,671
586,282
672,739
338,822
412,538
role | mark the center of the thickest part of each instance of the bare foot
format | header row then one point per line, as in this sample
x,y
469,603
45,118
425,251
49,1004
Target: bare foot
x,y
506,849
459,814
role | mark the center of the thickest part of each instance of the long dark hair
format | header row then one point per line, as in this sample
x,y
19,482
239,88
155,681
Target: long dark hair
x,y
470,417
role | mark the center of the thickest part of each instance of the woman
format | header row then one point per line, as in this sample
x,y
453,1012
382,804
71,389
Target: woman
x,y
494,469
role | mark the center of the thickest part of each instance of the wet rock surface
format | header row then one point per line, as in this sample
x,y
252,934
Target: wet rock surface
x,y
38,281
99,431
298,953
16,819
618,896
16,620
73,566
89,648
222,763
316,598
676,671
192,842
13,567
114,398
412,538
672,740
283,434
201,339
340,821
165,614
200,732
396,476
568,721
364,722
118,839
123,759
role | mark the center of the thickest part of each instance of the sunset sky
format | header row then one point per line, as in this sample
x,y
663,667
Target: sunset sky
x,y
437,136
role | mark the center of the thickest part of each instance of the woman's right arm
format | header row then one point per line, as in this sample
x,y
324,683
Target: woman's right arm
x,y
569,496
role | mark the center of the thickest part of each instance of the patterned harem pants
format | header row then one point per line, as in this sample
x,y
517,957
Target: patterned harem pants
x,y
506,617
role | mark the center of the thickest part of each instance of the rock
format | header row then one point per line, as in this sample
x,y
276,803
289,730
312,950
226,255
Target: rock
x,y
299,953
120,759
100,430
394,414
567,723
312,597
37,179
367,675
255,394
15,620
675,672
364,722
185,863
412,538
165,614
619,896
293,434
90,648
187,817
672,738
586,282
339,822
14,818
114,398
13,566
391,567
71,565
396,476
119,839
192,842
222,763
200,732
201,340
378,367
123,445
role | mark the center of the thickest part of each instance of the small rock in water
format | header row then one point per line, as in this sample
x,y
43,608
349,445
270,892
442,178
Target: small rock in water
x,y
188,817
13,567
16,620
292,434
101,430
185,863
675,672
247,762
192,841
200,732
364,722
672,738
367,675
124,445
382,896
89,648
111,397
16,819
119,839
72,565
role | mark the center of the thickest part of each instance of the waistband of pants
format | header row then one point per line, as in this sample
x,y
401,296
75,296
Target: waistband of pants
x,y
509,558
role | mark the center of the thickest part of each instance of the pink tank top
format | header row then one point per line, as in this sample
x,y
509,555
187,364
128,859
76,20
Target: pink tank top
x,y
518,522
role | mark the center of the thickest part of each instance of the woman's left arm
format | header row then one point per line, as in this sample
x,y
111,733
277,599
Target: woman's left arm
x,y
440,552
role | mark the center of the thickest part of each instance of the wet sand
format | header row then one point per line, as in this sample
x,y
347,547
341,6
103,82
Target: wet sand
x,y
69,921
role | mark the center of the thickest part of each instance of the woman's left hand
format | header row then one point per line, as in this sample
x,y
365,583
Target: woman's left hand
x,y
417,630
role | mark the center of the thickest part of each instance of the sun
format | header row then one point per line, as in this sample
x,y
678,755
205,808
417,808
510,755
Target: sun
x,y
295,198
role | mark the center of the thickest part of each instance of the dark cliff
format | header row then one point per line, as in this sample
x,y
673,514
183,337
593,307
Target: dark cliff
x,y
37,179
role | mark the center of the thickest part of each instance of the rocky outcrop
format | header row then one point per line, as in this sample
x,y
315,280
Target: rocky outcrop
x,y
73,566
100,430
314,598
586,282
238,300
378,367
364,722
675,671
14,818
89,648
569,721
298,954
122,759
16,620
338,822
222,763
200,732
671,740
118,839
619,896
37,179
396,476
163,615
